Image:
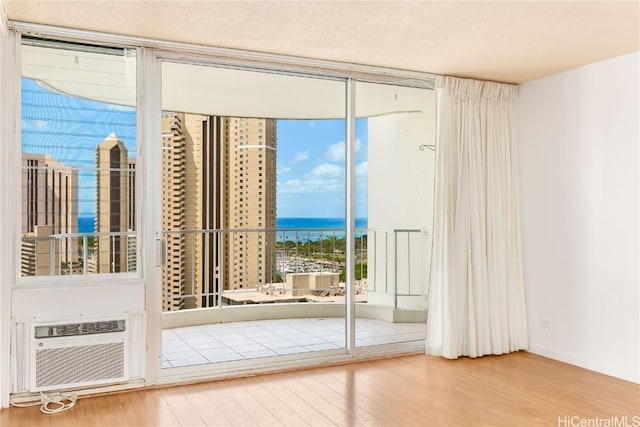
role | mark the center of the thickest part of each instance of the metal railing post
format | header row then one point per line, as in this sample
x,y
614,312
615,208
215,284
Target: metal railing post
x,y
193,267
409,260
386,261
113,254
52,256
85,255
395,269
219,272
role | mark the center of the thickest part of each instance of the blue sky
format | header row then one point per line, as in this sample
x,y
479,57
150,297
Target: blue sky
x,y
310,156
69,128
311,168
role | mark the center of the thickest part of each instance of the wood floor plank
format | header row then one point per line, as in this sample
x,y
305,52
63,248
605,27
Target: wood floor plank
x,y
36,418
305,410
133,409
14,417
335,414
160,413
310,398
387,411
208,410
338,410
344,384
63,419
110,410
519,389
233,412
260,413
281,410
180,405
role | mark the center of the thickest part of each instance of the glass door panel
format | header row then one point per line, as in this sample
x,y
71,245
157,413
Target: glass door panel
x,y
79,154
253,215
393,251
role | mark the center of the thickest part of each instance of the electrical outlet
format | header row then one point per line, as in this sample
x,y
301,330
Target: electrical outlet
x,y
545,324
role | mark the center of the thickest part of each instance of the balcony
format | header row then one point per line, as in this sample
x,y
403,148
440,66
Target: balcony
x,y
232,295
289,297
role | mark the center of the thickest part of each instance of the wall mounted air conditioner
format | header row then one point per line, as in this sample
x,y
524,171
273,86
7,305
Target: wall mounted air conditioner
x,y
78,354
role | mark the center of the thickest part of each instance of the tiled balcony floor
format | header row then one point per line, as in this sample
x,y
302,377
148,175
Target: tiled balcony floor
x,y
222,342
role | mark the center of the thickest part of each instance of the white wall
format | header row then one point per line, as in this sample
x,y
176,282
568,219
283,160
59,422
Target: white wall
x,y
7,120
400,196
64,303
579,137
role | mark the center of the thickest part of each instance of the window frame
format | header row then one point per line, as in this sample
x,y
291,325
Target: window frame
x,y
149,55
89,279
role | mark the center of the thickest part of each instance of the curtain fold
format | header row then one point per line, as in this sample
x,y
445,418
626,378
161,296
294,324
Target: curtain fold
x,y
476,292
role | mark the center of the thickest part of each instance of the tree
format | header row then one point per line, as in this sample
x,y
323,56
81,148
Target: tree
x,y
360,272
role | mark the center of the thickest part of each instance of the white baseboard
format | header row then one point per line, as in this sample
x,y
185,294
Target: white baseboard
x,y
592,365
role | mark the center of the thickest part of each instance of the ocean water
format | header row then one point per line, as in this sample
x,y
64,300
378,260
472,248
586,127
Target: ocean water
x,y
317,223
86,223
312,228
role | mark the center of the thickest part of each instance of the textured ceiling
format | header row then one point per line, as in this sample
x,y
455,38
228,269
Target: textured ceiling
x,y
511,41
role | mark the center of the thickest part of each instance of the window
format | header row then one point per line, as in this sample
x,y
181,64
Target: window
x,y
78,186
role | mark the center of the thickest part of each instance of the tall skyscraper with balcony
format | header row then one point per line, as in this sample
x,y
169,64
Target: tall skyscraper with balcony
x,y
112,205
49,207
219,173
251,195
173,215
132,242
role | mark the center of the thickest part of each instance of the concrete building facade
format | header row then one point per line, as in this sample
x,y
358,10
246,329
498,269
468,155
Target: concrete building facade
x,y
49,206
219,182
112,205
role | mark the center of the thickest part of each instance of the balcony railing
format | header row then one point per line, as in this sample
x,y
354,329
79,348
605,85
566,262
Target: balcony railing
x,y
79,254
216,268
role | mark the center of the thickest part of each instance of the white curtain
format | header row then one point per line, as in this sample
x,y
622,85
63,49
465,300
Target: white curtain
x,y
476,292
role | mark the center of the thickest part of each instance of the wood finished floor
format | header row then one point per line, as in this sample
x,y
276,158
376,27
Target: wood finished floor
x,y
519,389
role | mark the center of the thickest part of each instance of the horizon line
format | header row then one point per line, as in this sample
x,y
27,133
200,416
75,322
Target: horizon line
x,y
277,217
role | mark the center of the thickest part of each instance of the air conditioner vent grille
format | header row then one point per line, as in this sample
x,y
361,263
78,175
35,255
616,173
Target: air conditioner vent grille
x,y
77,329
80,364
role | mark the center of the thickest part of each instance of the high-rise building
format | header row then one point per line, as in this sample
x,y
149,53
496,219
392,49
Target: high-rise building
x,y
219,173
131,194
112,205
49,207
173,214
132,242
251,195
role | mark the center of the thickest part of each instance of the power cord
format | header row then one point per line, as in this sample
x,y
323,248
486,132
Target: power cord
x,y
56,400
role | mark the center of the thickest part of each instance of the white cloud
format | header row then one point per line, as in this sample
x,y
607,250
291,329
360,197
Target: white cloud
x,y
335,152
34,125
294,186
325,185
41,124
283,169
323,180
361,169
327,170
116,107
311,186
300,157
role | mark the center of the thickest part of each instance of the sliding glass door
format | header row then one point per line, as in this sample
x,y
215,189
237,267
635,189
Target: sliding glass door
x,y
258,217
395,173
253,191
